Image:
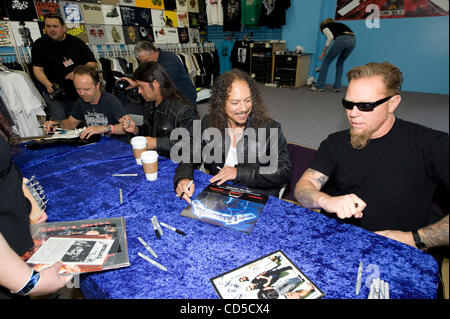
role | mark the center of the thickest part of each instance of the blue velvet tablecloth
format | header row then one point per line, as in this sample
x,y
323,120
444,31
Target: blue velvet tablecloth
x,y
79,184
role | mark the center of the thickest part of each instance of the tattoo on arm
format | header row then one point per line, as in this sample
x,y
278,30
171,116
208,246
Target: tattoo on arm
x,y
309,186
436,234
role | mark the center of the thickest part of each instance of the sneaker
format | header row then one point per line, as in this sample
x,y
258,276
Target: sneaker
x,y
337,90
313,88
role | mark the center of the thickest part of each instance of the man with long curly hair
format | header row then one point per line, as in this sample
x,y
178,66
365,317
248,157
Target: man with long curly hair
x,y
240,143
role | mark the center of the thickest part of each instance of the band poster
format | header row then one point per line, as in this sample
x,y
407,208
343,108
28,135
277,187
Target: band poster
x,y
360,10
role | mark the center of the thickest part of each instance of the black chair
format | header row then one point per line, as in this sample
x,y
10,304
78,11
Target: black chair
x,y
301,157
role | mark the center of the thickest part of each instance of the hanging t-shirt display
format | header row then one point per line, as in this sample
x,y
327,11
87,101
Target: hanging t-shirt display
x,y
131,34
250,12
135,16
127,3
240,55
146,33
25,32
231,15
273,13
71,12
6,34
114,34
45,7
96,33
111,14
170,5
92,13
21,10
77,30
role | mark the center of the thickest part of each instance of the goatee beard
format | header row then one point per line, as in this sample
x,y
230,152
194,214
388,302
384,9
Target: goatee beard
x,y
359,140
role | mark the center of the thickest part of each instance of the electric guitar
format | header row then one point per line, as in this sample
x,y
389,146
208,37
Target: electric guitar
x,y
32,190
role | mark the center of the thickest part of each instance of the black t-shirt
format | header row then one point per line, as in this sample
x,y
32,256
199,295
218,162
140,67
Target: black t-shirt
x,y
14,209
231,15
107,111
395,175
59,58
273,13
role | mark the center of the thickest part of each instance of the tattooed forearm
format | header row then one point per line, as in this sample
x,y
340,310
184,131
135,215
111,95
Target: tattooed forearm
x,y
308,188
436,234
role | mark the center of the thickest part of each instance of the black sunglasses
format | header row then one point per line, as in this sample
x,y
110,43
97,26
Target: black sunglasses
x,y
364,106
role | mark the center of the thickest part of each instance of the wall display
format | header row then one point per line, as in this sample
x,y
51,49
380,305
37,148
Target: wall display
x,y
143,3
71,12
358,10
172,35
127,2
183,19
171,19
157,4
182,6
192,5
158,18
18,10
273,13
183,35
3,14
231,15
170,5
194,35
115,2
131,34
25,32
193,20
135,16
96,33
114,34
159,34
77,30
146,33
92,13
111,14
90,1
6,34
45,7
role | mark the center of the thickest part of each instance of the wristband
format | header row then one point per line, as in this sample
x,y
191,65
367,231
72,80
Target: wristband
x,y
417,240
31,284
112,128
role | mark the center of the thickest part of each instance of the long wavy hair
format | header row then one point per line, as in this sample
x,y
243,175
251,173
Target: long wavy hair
x,y
220,93
6,131
150,71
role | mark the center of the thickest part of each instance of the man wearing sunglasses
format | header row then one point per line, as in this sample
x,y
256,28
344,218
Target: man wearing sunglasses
x,y
383,171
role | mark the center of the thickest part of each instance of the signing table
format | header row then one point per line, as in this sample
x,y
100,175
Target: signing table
x,y
79,184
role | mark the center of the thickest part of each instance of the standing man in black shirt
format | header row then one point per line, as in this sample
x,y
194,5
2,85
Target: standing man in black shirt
x,y
54,56
383,170
344,43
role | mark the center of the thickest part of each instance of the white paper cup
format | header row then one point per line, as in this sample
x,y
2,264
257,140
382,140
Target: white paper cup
x,y
139,145
150,164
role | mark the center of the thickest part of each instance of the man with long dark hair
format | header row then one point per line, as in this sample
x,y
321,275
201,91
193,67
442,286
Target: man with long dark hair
x,y
248,147
165,109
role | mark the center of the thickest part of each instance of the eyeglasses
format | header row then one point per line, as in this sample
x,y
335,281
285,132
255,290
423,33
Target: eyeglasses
x,y
364,106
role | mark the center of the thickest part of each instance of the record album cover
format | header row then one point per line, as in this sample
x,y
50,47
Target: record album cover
x,y
227,206
271,277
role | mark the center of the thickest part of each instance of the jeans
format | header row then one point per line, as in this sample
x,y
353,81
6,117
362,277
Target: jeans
x,y
343,45
59,109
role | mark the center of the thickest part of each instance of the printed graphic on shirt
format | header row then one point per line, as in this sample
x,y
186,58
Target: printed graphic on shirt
x,y
77,30
71,12
182,6
192,6
92,13
146,33
95,119
114,34
158,18
171,19
183,19
131,34
44,7
111,14
6,34
96,33
135,16
127,2
25,32
21,10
